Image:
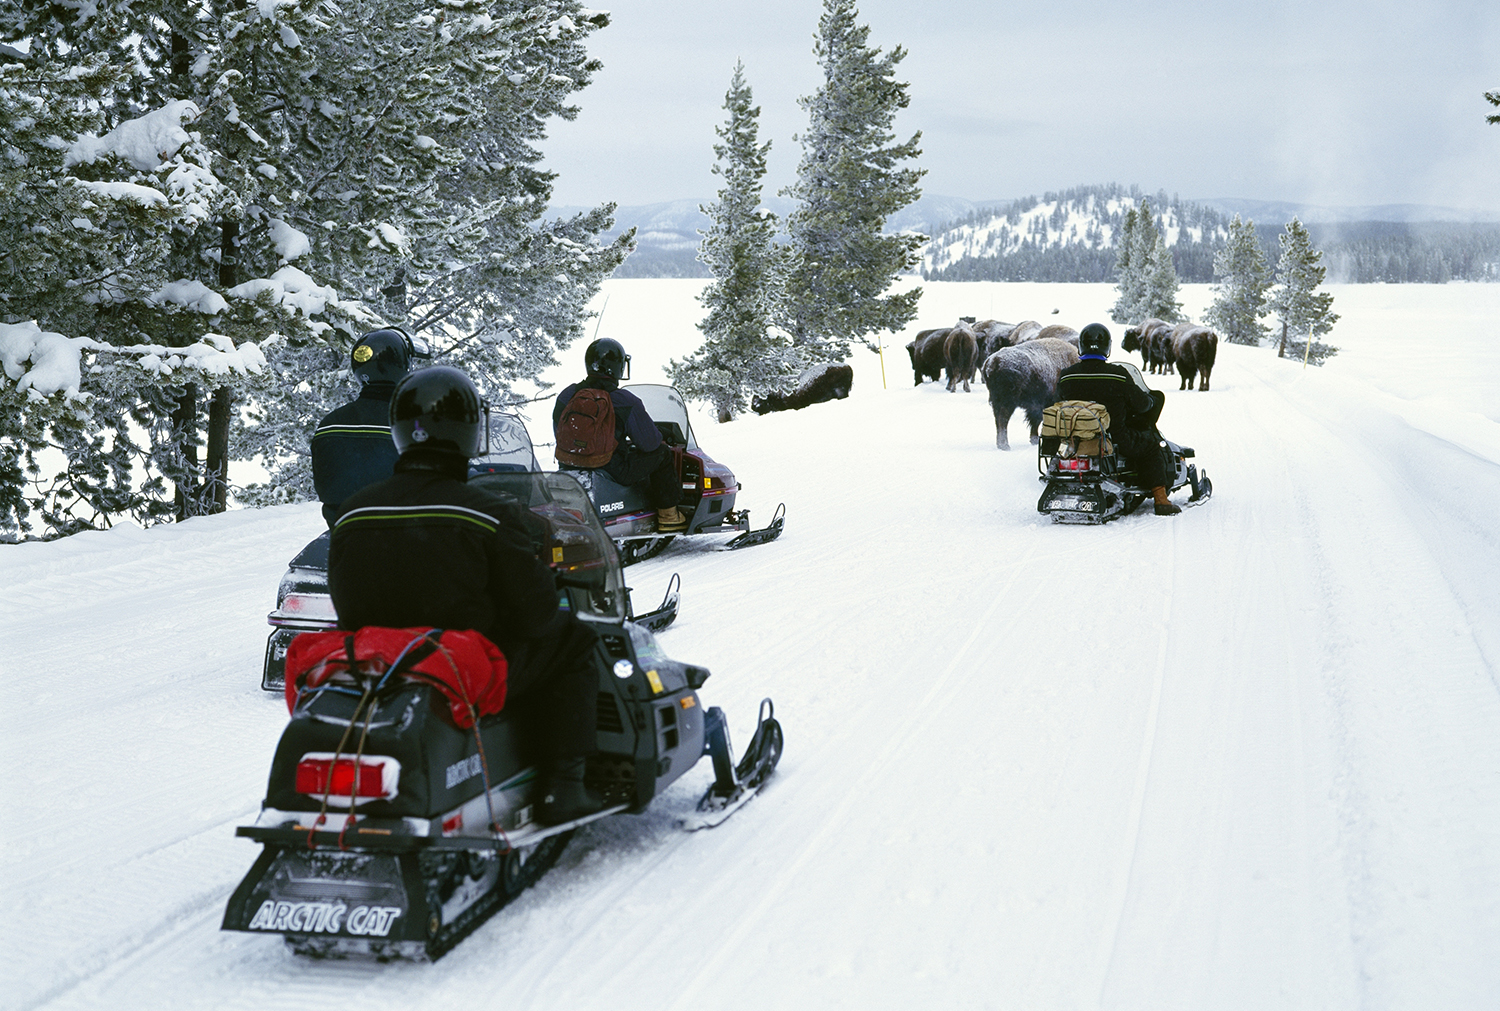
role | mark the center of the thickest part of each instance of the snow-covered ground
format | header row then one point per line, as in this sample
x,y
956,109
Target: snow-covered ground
x,y
1248,757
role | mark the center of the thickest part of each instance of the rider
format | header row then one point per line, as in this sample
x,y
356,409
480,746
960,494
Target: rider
x,y
640,454
1133,410
352,444
424,548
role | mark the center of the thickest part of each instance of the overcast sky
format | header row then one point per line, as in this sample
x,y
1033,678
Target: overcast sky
x,y
1312,101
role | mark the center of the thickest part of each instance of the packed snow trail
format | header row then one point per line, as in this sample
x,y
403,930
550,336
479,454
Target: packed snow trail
x,y
1246,757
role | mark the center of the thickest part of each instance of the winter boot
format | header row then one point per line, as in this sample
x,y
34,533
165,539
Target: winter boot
x,y
1164,505
670,520
563,795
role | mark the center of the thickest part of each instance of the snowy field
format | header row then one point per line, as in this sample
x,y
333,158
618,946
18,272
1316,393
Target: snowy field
x,y
1244,758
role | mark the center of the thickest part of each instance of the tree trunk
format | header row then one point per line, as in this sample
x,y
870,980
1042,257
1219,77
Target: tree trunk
x,y
185,434
1281,348
221,407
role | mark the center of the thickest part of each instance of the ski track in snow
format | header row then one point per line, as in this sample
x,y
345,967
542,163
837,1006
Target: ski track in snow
x,y
1243,758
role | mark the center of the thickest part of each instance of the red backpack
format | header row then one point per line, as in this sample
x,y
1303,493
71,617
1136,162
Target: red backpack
x,y
586,429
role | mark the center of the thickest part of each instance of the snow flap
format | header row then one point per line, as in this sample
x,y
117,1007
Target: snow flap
x,y
463,665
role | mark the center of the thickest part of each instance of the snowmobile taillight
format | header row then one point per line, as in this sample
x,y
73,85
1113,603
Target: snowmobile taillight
x,y
365,779
1075,465
308,606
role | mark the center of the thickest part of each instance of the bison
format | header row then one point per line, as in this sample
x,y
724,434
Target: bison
x,y
1023,332
1194,348
1057,332
1153,339
1025,376
821,383
927,354
960,355
992,336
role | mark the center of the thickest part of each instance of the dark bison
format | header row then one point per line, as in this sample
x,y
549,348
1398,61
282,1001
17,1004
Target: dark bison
x,y
1194,348
961,356
1153,339
992,336
927,354
1025,376
829,381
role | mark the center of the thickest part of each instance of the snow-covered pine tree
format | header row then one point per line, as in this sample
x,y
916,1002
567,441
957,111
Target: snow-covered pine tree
x,y
848,182
1493,97
1243,278
1303,309
281,150
116,186
419,188
1159,295
741,356
1127,274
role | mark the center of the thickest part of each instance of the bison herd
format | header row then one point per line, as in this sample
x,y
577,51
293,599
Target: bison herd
x,y
1020,362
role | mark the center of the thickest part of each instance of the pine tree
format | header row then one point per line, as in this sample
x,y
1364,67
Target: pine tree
x,y
1493,97
848,183
1301,307
1240,294
740,356
1159,298
310,178
1127,306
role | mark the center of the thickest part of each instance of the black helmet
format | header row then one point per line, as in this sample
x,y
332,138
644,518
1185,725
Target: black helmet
x,y
437,408
1094,340
380,356
606,359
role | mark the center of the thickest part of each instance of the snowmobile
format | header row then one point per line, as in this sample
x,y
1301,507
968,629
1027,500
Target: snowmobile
x,y
302,601
708,489
1086,480
390,832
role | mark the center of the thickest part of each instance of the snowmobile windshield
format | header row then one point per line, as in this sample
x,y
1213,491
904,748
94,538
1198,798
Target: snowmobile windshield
x,y
509,447
581,554
666,406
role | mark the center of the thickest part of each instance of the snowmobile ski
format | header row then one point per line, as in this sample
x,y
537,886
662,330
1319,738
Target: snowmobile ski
x,y
735,785
764,535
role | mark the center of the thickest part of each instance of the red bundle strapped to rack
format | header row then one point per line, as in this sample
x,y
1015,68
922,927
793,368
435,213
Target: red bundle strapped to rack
x,y
464,665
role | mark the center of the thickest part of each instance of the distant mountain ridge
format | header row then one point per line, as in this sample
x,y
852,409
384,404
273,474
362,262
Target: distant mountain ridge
x,y
1068,235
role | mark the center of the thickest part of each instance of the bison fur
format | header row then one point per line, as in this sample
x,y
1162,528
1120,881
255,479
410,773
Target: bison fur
x,y
1025,377
819,384
1194,348
927,354
960,355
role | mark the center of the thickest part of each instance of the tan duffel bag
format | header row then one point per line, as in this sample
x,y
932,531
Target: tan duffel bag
x,y
1080,425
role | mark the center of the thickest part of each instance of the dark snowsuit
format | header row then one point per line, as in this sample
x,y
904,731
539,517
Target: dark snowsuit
x,y
1133,411
352,447
640,455
424,548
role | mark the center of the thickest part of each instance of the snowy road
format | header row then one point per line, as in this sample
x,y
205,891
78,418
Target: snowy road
x,y
1244,758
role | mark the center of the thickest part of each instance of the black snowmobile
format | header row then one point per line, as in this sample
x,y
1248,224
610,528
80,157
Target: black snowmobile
x,y
302,601
708,489
390,832
1086,480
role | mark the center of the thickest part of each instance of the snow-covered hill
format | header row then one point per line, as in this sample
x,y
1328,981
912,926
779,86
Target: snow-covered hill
x,y
1244,758
1086,218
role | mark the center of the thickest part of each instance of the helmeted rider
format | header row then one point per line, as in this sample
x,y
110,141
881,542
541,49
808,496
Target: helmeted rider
x,y
640,457
351,446
470,558
1134,410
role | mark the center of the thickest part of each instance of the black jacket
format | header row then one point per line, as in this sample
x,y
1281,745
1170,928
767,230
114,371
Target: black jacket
x,y
1120,388
352,447
424,548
